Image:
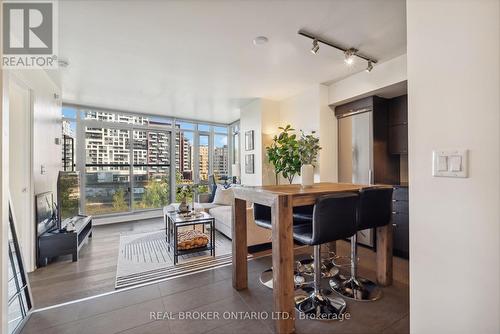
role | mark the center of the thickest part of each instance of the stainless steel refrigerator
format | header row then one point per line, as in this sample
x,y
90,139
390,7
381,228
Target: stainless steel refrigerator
x,y
364,155
355,162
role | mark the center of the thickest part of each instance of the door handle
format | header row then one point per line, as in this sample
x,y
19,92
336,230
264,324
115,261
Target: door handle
x,y
25,189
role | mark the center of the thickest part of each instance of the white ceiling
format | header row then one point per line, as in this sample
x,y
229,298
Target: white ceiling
x,y
196,59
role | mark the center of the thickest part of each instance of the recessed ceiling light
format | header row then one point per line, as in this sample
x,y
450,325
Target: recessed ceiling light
x,y
259,40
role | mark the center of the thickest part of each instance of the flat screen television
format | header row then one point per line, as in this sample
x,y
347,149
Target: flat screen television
x,y
46,218
68,194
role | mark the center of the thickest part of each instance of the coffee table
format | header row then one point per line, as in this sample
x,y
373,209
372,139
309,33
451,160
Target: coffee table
x,y
174,220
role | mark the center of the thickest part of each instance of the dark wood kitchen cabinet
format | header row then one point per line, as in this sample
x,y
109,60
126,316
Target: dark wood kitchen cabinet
x,y
398,125
400,222
398,139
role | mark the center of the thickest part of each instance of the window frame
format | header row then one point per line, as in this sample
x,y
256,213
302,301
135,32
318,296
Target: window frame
x,y
174,128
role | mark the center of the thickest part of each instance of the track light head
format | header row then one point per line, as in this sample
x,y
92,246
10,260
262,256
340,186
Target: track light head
x,y
369,67
349,56
315,47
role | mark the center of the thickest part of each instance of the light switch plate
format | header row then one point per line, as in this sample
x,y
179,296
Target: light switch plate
x,y
450,163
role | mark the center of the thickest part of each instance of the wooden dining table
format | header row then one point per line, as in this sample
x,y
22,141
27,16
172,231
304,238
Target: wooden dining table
x,y
282,199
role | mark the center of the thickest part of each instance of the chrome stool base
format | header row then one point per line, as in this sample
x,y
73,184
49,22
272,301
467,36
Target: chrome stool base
x,y
358,288
318,306
266,278
328,268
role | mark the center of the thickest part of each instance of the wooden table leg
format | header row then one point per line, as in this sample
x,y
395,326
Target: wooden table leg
x,y
384,255
240,250
283,286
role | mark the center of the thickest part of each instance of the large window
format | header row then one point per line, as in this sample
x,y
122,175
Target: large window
x,y
107,170
68,139
133,162
235,142
203,158
221,156
184,157
151,169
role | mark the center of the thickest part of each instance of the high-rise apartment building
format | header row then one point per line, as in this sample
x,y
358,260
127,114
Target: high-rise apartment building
x,y
203,162
221,155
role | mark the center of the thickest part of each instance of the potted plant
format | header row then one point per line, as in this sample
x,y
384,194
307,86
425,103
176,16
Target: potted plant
x,y
185,193
308,152
283,154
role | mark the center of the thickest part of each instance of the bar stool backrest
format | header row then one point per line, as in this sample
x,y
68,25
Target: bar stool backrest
x,y
375,207
334,217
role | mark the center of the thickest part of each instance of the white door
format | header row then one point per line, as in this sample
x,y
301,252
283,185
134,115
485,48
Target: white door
x,y
20,166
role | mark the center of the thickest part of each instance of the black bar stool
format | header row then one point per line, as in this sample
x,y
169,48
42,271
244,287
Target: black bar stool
x,y
262,217
375,210
334,218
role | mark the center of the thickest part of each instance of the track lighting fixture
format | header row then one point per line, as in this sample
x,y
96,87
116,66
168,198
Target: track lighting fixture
x,y
315,47
350,54
369,67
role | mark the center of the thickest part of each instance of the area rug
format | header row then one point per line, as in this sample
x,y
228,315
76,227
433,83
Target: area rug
x,y
144,257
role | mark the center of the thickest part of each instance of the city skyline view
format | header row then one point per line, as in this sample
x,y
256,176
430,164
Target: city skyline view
x,y
130,169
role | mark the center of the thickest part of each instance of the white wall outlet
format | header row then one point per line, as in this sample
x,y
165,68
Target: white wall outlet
x,y
450,163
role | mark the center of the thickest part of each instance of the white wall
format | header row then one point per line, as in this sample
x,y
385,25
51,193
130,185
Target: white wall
x,y
453,83
250,119
309,111
328,139
270,122
383,75
46,128
261,116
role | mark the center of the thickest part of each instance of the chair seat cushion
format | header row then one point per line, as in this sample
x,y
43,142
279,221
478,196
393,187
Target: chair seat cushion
x,y
303,233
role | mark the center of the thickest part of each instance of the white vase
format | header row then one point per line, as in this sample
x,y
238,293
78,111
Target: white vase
x,y
307,174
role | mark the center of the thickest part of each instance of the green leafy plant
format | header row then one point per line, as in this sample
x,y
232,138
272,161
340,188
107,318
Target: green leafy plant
x,y
185,192
283,154
155,194
119,201
308,148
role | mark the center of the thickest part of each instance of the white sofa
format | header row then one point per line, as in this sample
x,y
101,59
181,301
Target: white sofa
x,y
223,222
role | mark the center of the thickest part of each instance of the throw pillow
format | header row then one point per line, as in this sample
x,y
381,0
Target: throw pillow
x,y
223,196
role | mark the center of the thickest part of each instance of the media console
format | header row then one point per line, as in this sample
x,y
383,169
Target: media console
x,y
59,242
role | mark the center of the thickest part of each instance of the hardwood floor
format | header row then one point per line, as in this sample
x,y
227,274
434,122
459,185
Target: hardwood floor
x,y
94,273
158,307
